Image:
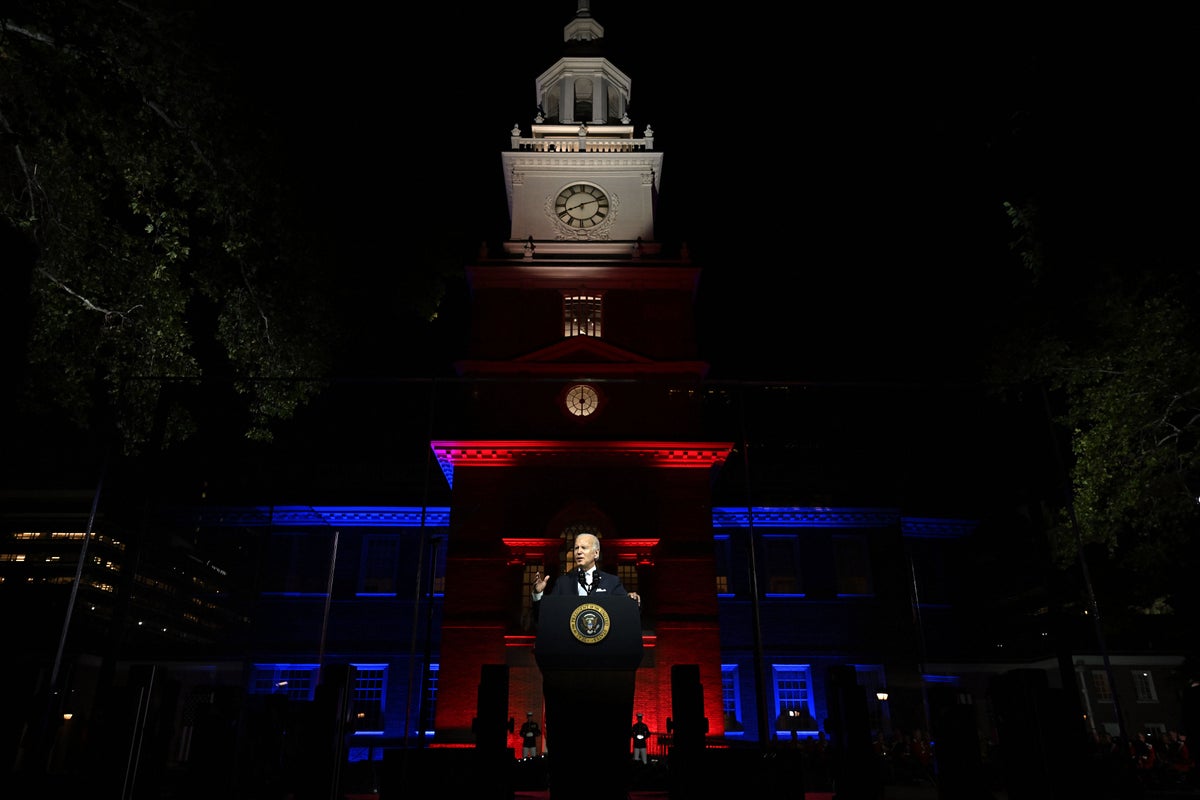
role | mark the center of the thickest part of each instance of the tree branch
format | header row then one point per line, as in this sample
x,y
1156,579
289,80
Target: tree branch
x,y
109,314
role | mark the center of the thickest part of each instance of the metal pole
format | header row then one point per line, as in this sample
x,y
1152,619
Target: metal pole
x,y
421,596
39,745
328,602
62,639
145,695
760,693
922,655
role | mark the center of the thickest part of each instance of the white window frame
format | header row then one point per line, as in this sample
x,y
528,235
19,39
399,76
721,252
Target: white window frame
x,y
368,697
792,684
731,693
295,681
1143,686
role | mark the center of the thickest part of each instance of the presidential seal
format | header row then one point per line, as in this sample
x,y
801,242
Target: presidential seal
x,y
589,623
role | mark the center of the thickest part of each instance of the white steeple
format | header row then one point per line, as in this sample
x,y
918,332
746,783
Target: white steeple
x,y
582,145
583,28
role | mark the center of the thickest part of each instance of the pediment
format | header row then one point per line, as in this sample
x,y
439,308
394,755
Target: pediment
x,y
583,349
582,354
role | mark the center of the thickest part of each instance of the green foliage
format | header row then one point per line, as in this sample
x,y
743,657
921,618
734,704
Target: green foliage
x,y
165,246
1120,356
1132,414
1026,243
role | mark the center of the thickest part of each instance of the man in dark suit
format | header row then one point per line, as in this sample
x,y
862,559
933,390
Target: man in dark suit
x,y
586,579
597,736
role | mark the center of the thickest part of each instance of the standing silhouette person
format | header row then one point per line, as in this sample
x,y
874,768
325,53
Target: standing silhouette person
x,y
530,733
640,733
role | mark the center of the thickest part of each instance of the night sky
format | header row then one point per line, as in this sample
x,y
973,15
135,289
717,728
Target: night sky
x,y
839,175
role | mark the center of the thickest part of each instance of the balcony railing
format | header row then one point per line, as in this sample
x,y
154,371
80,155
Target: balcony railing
x,y
581,144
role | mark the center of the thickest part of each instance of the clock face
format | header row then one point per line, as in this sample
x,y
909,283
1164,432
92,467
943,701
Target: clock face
x,y
582,400
581,205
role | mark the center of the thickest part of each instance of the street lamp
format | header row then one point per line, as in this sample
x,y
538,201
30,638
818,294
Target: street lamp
x,y
884,721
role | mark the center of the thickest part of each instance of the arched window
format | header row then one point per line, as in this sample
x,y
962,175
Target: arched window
x,y
583,100
583,315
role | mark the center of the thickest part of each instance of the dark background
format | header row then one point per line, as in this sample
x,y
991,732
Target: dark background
x,y
839,174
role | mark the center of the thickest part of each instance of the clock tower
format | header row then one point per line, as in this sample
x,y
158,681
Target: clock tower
x,y
579,410
581,174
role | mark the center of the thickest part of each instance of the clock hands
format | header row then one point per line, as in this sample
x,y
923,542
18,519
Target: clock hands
x,y
582,203
581,206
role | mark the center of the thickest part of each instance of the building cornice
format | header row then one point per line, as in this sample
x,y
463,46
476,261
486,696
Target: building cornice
x,y
523,453
492,454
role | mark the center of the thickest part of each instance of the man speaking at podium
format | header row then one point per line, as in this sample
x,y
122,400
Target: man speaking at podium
x,y
589,646
586,579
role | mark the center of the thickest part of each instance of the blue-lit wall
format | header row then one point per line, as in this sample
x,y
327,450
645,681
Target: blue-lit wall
x,y
835,588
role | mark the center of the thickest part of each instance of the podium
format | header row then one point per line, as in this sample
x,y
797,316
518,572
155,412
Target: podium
x,y
588,650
